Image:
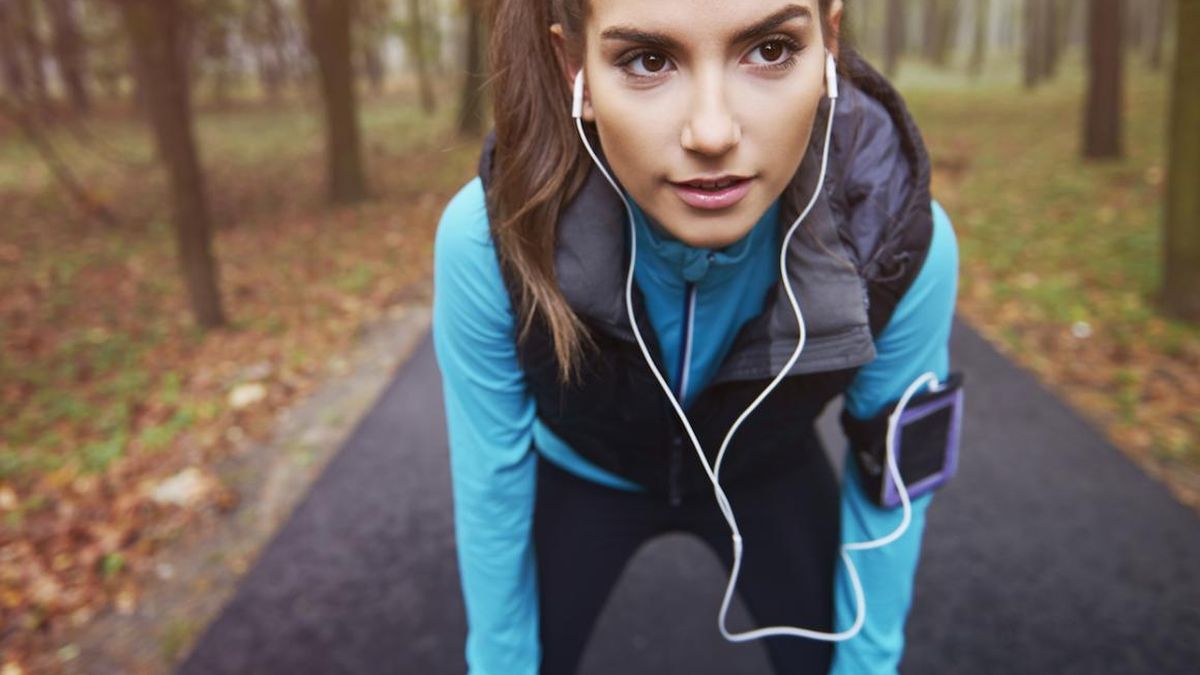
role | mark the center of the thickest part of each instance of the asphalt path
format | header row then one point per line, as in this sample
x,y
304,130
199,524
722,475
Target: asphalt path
x,y
1049,552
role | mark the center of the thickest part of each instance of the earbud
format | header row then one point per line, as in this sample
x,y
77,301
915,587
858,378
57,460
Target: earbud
x,y
577,101
831,78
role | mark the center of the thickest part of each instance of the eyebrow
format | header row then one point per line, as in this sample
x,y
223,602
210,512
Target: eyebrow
x,y
665,41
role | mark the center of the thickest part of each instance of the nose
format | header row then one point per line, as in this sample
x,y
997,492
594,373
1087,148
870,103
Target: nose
x,y
710,128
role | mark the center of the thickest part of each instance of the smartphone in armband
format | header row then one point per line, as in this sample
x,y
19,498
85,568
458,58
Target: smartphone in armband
x,y
926,443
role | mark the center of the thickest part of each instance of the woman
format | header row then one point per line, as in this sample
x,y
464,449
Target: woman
x,y
581,398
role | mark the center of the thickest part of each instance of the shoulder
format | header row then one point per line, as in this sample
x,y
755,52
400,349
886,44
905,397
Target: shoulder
x,y
466,272
463,227
916,338
926,309
941,262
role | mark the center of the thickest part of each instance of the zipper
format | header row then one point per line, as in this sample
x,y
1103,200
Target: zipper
x,y
685,349
685,363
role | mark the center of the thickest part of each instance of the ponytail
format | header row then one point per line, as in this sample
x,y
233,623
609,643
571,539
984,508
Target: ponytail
x,y
538,165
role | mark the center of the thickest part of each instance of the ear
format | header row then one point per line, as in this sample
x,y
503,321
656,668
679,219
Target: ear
x,y
558,39
835,22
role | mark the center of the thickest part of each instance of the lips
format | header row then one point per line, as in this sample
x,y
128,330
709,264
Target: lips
x,y
720,192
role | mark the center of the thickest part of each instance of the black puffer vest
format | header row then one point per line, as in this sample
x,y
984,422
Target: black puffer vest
x,y
850,263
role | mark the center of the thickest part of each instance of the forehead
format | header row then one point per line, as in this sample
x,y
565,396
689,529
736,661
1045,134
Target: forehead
x,y
696,20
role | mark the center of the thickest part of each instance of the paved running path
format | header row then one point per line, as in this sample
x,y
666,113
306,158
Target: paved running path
x,y
1049,553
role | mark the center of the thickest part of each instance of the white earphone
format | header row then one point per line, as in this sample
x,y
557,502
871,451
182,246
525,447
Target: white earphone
x,y
714,471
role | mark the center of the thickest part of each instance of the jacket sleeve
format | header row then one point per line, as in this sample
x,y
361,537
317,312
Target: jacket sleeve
x,y
915,340
489,418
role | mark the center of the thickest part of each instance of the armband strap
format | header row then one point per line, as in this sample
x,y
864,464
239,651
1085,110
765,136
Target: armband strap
x,y
926,444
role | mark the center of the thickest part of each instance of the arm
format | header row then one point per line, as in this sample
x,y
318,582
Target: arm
x,y
914,341
489,418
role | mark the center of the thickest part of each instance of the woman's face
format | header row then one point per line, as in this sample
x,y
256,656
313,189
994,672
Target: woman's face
x,y
682,90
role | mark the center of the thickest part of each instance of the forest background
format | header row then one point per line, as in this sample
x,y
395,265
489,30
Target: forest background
x,y
204,204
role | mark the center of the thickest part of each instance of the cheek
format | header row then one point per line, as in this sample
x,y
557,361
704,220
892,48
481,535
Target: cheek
x,y
785,119
630,135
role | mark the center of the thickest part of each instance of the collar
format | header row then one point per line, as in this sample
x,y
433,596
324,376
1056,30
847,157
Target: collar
x,y
674,262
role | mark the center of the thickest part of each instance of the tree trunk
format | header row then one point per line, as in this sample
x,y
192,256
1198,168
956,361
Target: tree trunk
x,y
371,30
893,37
373,67
270,77
416,47
264,22
1102,116
470,111
88,205
861,17
1035,43
928,28
154,30
1049,35
1030,68
34,52
939,23
329,35
10,55
1006,33
217,53
1134,24
70,53
277,29
980,39
1154,39
1181,243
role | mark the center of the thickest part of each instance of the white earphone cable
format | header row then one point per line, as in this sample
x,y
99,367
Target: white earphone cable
x,y
714,471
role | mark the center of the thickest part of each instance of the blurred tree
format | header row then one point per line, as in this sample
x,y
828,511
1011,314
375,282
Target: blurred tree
x,y
109,59
1134,14
470,109
27,22
373,22
1008,22
1102,112
1034,53
420,57
10,53
1156,28
1181,245
940,20
217,23
979,40
70,52
1050,47
24,119
329,24
893,37
856,25
155,32
267,32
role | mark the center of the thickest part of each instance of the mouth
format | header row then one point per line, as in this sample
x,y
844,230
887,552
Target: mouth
x,y
717,192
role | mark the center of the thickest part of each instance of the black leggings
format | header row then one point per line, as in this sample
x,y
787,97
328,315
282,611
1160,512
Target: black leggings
x,y
584,533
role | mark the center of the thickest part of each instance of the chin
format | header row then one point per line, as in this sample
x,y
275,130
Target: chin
x,y
714,236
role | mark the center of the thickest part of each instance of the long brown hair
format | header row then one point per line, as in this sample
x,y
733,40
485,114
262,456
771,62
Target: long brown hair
x,y
539,164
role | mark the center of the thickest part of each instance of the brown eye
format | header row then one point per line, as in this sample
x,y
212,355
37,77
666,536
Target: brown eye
x,y
778,54
645,64
653,62
772,50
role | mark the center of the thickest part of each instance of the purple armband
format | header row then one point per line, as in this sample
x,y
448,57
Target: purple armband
x,y
926,444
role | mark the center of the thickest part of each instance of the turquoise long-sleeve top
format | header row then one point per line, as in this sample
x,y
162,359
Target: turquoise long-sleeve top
x,y
493,429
